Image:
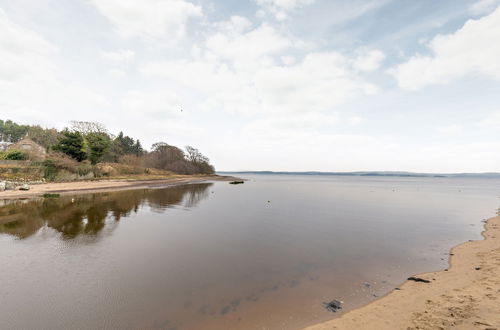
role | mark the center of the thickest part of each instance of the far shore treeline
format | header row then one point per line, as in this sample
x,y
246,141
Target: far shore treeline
x,y
89,144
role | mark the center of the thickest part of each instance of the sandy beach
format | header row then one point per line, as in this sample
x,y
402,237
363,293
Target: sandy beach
x,y
81,187
466,296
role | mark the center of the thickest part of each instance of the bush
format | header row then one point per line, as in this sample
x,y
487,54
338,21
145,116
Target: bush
x,y
131,160
14,155
49,170
63,168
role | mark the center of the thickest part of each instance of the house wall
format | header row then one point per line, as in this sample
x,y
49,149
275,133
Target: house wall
x,y
34,150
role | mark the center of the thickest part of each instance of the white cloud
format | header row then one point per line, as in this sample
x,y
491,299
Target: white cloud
x,y
148,18
156,105
249,71
280,8
246,48
120,56
318,83
284,127
117,73
284,4
29,84
23,52
450,130
355,120
492,120
483,6
235,25
368,60
473,49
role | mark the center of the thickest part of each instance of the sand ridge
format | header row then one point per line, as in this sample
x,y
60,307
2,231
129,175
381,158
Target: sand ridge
x,y
80,187
467,296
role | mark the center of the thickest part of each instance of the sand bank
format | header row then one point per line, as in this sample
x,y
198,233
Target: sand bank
x,y
106,185
467,296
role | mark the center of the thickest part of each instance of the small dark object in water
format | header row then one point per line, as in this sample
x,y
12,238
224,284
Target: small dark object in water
x,y
367,285
477,268
397,289
446,270
237,182
51,195
418,279
333,305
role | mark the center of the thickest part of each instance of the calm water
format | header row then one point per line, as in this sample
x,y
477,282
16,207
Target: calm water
x,y
263,255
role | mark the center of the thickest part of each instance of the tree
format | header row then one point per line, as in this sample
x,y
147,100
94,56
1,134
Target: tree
x,y
125,144
137,149
72,144
164,155
87,127
97,144
195,156
199,161
11,131
46,137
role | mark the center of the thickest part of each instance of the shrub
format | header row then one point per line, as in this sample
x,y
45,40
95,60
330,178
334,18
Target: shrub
x,y
49,170
61,167
131,160
14,155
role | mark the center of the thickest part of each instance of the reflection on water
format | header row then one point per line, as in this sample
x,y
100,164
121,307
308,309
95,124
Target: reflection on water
x,y
88,214
263,255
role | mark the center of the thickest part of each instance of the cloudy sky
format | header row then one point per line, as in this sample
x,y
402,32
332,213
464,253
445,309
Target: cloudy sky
x,y
328,85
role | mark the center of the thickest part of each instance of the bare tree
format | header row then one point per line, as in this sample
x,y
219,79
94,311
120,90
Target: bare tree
x,y
87,127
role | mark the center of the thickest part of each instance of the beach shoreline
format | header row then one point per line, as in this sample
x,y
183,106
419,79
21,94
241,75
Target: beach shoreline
x,y
85,187
465,296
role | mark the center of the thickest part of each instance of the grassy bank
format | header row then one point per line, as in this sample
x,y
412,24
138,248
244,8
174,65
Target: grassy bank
x,y
67,171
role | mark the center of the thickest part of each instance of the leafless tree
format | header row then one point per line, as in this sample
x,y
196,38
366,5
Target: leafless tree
x,y
87,127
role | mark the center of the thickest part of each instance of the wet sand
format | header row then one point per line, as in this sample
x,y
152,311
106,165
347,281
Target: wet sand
x,y
81,187
467,296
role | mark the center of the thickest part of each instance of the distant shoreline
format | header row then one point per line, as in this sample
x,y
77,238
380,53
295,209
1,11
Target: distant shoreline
x,y
374,173
82,187
462,297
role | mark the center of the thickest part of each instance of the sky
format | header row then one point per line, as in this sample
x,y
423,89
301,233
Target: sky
x,y
284,85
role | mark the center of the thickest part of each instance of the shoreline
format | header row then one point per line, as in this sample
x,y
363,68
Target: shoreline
x,y
465,296
86,187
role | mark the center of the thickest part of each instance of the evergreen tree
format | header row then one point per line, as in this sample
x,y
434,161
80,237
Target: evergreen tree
x,y
72,144
98,144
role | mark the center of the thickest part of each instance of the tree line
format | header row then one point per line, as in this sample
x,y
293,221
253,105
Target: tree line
x,y
91,142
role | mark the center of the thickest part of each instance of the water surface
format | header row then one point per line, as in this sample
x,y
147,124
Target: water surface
x,y
263,255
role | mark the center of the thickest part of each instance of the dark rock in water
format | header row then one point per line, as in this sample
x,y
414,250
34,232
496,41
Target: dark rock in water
x,y
397,289
477,268
333,305
237,182
367,285
418,279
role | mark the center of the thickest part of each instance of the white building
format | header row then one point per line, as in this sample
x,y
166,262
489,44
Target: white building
x,y
4,145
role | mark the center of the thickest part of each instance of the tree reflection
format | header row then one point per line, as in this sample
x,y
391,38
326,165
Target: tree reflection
x,y
89,214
